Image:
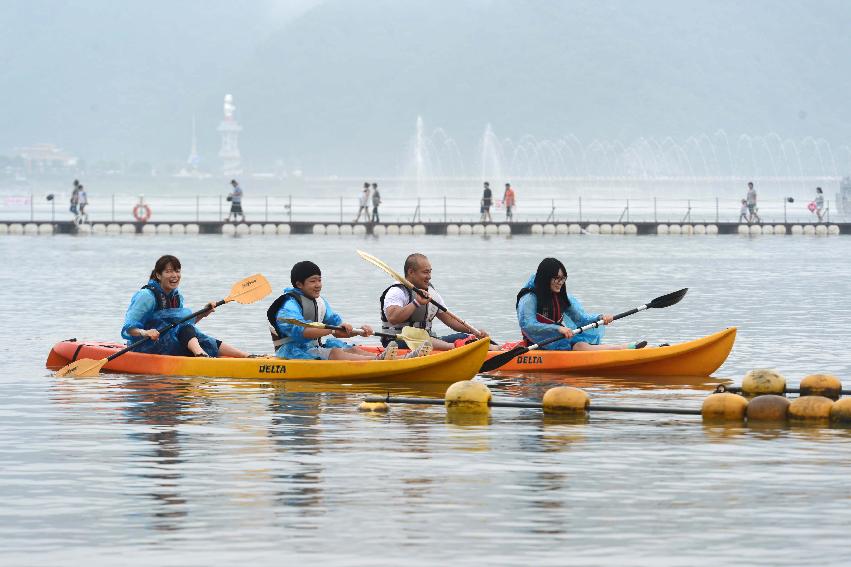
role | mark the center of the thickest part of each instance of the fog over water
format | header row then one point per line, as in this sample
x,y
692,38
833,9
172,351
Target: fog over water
x,y
335,87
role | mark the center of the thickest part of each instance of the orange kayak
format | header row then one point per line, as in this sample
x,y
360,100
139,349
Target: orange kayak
x,y
445,367
700,357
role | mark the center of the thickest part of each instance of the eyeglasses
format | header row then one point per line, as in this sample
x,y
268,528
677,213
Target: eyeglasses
x,y
559,279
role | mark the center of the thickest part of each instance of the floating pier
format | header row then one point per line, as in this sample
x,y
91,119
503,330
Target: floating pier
x,y
424,228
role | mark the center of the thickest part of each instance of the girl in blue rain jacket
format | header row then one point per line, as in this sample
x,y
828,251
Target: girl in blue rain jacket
x,y
159,303
545,310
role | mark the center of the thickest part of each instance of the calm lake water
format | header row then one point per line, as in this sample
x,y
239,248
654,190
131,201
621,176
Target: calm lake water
x,y
130,470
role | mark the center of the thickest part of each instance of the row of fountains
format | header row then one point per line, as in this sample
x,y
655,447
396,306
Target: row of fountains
x,y
436,155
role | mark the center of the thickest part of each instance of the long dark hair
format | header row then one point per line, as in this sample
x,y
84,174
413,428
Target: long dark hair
x,y
163,263
547,270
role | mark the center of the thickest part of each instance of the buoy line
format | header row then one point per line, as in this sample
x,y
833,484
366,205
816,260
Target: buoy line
x,y
530,405
762,400
738,390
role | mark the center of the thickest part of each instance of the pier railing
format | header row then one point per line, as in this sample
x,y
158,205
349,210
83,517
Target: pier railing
x,y
282,209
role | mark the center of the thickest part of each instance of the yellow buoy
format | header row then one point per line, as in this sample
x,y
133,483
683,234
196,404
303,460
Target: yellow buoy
x,y
724,407
825,385
468,396
840,411
810,408
376,407
762,381
565,399
768,408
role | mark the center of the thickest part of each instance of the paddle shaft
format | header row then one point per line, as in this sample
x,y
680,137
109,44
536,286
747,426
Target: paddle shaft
x,y
360,331
588,327
534,405
443,308
164,329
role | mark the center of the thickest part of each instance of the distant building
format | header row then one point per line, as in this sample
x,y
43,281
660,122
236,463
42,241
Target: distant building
x,y
230,129
44,158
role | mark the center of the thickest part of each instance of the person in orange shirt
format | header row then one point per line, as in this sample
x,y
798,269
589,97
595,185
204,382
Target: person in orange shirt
x,y
509,201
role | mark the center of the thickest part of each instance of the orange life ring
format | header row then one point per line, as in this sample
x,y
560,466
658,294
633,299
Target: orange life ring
x,y
141,212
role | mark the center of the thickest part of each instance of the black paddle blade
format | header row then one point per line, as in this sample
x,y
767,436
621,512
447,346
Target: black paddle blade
x,y
667,300
501,359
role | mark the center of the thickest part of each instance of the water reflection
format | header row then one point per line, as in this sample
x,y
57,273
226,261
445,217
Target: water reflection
x,y
159,405
295,434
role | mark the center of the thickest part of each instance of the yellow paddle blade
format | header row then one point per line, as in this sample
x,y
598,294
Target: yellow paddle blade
x,y
414,337
251,289
85,367
302,323
381,265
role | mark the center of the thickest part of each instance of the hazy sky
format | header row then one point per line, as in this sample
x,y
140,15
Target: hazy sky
x,y
336,86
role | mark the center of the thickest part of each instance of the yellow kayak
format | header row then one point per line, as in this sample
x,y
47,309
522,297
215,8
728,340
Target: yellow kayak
x,y
449,366
700,357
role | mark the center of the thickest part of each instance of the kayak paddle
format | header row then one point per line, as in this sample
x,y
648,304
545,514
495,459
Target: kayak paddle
x,y
662,301
404,281
249,290
411,335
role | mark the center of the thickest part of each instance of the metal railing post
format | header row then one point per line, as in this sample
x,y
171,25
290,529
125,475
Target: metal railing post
x,y
627,210
580,209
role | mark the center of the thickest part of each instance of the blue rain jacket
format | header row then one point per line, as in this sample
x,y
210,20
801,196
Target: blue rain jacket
x,y
296,345
573,317
143,313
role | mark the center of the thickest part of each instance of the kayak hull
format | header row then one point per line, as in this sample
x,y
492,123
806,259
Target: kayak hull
x,y
700,357
445,367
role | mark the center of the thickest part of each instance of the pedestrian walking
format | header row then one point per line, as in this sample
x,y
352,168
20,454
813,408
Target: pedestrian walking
x,y
509,200
751,201
487,201
743,212
819,203
363,204
235,198
376,200
82,203
75,200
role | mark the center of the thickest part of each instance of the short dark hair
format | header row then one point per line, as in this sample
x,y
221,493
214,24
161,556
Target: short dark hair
x,y
163,263
366,184
413,260
303,270
233,181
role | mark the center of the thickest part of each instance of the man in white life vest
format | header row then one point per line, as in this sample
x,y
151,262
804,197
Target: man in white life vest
x,y
402,307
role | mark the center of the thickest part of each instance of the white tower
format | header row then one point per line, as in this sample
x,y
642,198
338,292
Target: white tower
x,y
230,129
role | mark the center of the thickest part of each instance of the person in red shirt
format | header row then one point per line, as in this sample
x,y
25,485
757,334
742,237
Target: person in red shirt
x,y
508,200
